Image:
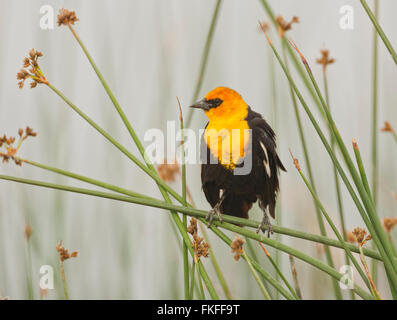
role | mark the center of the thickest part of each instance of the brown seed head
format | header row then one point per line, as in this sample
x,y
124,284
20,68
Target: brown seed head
x,y
325,60
387,127
389,223
351,237
7,149
66,17
192,228
31,70
360,235
237,247
200,247
284,26
64,253
168,171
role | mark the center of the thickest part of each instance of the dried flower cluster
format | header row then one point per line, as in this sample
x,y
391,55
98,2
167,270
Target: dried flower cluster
x,y
168,171
387,127
199,246
361,235
7,143
325,60
34,72
66,17
351,237
237,247
64,253
284,26
389,223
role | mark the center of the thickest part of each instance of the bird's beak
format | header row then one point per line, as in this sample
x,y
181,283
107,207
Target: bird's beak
x,y
202,104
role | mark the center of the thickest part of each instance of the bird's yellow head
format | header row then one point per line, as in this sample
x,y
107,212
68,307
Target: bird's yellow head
x,y
223,103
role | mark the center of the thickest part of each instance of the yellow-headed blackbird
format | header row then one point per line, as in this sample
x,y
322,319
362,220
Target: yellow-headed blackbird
x,y
239,159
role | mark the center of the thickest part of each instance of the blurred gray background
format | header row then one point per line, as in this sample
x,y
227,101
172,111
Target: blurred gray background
x,y
149,52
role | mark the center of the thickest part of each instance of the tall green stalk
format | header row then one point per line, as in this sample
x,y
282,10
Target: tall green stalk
x,y
374,222
336,177
278,272
200,214
371,227
193,211
185,250
330,222
379,29
374,152
337,290
257,278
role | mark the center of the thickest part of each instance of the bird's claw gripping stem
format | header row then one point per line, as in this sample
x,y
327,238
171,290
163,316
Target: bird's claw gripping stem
x,y
265,220
216,209
212,212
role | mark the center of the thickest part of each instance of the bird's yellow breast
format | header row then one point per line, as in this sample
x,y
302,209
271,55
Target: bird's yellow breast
x,y
227,136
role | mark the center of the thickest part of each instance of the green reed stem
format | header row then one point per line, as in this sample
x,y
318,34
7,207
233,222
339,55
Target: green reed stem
x,y
255,264
375,108
139,146
204,59
141,165
194,212
320,221
300,255
372,287
357,202
361,168
201,290
295,276
335,171
278,271
332,225
336,177
216,266
193,280
365,197
185,251
380,238
197,213
379,30
374,153
257,278
254,257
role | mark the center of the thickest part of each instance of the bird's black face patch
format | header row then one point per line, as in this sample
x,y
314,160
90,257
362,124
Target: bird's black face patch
x,y
213,103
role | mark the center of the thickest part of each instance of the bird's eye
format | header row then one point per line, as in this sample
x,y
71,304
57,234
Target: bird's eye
x,y
213,103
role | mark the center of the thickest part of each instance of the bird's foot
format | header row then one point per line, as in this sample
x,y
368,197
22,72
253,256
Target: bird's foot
x,y
215,210
266,221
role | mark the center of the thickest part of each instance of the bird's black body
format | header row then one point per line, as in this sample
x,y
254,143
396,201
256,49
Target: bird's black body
x,y
241,191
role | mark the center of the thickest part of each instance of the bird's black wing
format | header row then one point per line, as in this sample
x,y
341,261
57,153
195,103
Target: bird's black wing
x,y
266,161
